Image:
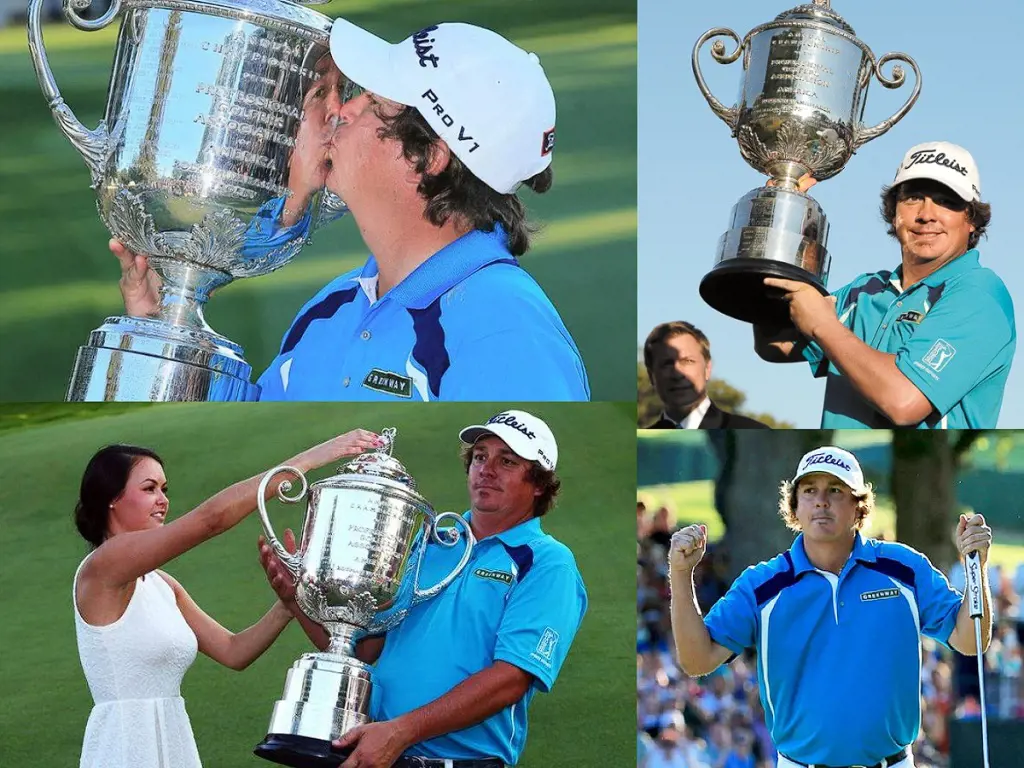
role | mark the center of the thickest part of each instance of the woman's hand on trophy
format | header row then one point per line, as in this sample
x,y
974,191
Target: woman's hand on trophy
x,y
280,580
349,444
804,183
140,286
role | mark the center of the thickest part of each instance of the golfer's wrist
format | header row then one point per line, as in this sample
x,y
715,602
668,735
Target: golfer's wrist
x,y
682,573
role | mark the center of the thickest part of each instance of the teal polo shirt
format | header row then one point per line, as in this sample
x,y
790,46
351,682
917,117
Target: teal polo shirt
x,y
953,335
469,323
838,656
520,600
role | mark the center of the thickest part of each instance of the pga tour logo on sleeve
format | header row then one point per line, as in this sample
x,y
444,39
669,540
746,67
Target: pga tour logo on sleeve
x,y
546,646
936,358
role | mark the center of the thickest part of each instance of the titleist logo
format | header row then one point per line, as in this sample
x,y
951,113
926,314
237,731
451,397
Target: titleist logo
x,y
926,156
424,45
510,420
826,458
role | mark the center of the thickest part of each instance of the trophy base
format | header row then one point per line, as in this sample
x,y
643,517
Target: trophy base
x,y
300,751
325,696
773,232
736,288
133,359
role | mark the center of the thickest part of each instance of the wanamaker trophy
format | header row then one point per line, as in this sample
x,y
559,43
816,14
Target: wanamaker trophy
x,y
196,165
799,112
357,573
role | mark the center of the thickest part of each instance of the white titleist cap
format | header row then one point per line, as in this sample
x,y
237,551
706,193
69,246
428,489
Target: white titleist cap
x,y
488,99
524,433
945,163
833,461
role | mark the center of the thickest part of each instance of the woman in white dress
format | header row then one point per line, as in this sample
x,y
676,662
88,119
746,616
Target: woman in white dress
x,y
138,630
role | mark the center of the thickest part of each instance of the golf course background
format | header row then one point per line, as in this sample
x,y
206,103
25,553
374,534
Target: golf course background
x,y
587,718
60,280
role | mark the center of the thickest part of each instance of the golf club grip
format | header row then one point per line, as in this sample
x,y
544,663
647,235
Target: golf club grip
x,y
972,567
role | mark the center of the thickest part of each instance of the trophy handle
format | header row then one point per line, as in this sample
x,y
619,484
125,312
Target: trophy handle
x,y
91,145
862,136
728,114
419,595
291,562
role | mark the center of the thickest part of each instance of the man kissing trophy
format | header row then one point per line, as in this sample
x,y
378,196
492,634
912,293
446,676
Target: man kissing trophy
x,y
204,160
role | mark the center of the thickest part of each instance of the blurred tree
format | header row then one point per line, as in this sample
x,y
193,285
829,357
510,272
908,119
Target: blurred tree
x,y
924,469
753,463
725,396
648,406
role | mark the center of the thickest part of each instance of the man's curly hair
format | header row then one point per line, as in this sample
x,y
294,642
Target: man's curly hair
x,y
455,191
787,504
978,213
544,479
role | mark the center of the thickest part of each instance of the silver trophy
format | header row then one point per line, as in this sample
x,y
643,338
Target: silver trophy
x,y
799,111
357,573
198,163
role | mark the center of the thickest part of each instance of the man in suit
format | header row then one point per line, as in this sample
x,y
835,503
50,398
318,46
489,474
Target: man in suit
x,y
677,356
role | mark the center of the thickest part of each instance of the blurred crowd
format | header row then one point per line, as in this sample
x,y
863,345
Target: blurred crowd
x,y
717,721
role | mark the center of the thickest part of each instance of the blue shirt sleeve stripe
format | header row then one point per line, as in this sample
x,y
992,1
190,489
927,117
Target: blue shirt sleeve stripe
x,y
429,350
777,583
522,556
322,310
894,569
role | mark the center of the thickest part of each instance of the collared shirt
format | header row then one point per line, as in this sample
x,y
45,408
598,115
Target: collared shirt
x,y
520,600
467,324
693,419
839,656
953,336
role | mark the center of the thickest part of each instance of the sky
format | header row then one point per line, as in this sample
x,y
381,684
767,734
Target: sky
x,y
690,172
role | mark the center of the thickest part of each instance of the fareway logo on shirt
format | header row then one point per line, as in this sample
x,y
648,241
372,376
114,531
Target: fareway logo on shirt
x,y
389,383
486,573
879,594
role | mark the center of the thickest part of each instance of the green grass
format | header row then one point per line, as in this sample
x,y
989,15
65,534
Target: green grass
x,y
206,447
61,280
694,503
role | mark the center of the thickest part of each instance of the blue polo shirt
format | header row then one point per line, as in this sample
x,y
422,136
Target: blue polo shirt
x,y
839,657
953,335
520,600
467,324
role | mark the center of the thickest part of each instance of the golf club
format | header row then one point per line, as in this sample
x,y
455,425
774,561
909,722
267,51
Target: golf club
x,y
977,610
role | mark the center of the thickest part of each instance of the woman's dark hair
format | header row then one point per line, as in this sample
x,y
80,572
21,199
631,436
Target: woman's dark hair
x,y
104,480
545,479
455,191
978,213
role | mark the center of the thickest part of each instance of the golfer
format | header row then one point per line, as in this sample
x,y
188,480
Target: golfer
x,y
928,344
453,681
435,136
836,620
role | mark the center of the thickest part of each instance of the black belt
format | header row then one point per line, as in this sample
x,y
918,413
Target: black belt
x,y
890,760
405,761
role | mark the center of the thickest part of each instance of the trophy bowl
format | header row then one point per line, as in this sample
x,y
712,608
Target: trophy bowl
x,y
195,165
356,572
800,111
